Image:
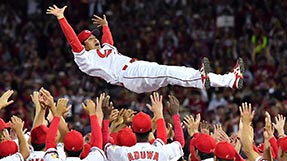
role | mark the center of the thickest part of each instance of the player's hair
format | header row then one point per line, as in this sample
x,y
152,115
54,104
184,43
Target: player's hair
x,y
38,147
142,137
73,153
203,155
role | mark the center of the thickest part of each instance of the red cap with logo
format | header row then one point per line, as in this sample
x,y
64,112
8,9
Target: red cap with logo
x,y
141,123
126,137
3,124
38,134
282,143
73,141
8,147
83,35
224,150
204,143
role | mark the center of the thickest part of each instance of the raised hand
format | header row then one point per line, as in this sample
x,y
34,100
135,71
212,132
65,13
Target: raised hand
x,y
156,107
173,105
246,113
90,107
107,107
191,124
99,21
204,127
62,107
99,105
4,99
17,124
269,130
35,100
113,115
46,98
279,125
54,10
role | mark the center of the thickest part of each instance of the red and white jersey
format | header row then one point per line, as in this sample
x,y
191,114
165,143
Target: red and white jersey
x,y
106,63
95,154
145,152
14,157
36,156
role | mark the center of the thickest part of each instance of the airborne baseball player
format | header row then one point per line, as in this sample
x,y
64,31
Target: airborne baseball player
x,y
106,62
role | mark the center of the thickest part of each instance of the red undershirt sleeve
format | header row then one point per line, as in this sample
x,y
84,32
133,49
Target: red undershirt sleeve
x,y
96,137
70,35
107,35
161,130
52,133
105,131
178,133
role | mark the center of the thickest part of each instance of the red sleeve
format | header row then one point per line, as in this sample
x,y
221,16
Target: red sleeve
x,y
161,130
70,35
96,137
107,35
238,157
52,133
178,133
105,131
274,146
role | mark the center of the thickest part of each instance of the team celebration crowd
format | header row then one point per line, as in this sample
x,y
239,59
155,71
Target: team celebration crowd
x,y
59,104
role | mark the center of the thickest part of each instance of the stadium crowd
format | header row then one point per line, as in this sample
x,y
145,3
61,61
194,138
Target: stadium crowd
x,y
34,54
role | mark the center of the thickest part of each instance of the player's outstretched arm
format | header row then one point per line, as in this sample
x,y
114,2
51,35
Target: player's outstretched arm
x,y
102,22
58,12
66,27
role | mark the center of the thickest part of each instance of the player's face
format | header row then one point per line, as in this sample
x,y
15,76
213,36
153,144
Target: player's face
x,y
92,43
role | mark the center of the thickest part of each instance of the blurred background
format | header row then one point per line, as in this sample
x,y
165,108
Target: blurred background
x,y
35,53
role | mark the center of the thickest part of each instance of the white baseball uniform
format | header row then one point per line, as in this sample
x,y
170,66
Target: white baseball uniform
x,y
145,152
95,154
14,157
137,76
141,76
39,155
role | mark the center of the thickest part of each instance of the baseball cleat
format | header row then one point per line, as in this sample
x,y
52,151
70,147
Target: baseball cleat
x,y
204,70
238,71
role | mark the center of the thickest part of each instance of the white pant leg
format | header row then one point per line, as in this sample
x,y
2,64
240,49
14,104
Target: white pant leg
x,y
218,80
142,76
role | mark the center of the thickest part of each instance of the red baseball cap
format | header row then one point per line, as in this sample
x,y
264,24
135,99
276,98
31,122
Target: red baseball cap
x,y
8,147
38,134
204,143
3,124
73,141
282,143
224,150
126,137
83,35
141,123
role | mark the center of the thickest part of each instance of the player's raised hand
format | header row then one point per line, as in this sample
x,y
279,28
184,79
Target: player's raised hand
x,y
173,105
62,107
17,124
90,107
54,10
279,125
98,21
47,99
156,107
246,113
191,124
4,99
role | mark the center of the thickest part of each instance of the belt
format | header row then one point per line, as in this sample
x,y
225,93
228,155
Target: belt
x,y
131,61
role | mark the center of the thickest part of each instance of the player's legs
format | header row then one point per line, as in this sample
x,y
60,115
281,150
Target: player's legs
x,y
144,76
234,79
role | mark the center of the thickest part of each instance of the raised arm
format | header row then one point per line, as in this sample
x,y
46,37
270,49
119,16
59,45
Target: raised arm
x,y
102,22
17,125
173,109
157,109
247,116
4,99
66,27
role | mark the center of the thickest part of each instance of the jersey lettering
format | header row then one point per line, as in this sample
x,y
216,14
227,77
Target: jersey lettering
x,y
105,54
143,155
36,159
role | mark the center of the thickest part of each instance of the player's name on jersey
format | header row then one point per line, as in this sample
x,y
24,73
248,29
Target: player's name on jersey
x,y
143,155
